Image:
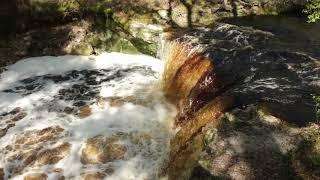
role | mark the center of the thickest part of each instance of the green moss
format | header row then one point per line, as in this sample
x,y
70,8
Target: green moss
x,y
124,46
144,47
68,6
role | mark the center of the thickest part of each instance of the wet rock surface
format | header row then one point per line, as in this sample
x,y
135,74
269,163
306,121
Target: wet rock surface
x,y
253,72
36,148
8,119
102,150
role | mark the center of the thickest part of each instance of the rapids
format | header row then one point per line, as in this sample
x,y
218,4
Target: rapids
x,y
91,117
117,116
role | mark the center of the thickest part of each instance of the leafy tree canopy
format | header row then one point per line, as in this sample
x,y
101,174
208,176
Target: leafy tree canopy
x,y
313,10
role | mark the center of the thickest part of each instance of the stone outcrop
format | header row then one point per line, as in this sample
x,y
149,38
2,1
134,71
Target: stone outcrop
x,y
122,26
179,12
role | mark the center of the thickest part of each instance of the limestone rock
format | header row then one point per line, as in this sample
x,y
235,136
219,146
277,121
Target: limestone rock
x,y
180,15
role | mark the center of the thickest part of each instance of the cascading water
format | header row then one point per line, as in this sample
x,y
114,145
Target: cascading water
x,y
90,117
108,117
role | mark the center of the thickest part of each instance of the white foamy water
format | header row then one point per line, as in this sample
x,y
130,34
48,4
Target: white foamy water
x,y
124,100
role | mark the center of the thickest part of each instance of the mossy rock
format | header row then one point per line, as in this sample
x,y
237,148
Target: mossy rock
x,y
145,47
124,46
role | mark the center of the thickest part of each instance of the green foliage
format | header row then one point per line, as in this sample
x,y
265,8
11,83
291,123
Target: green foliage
x,y
313,10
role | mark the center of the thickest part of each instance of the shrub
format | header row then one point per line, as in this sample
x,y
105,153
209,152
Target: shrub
x,y
313,10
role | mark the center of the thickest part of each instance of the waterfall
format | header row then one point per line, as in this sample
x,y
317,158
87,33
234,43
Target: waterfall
x,y
190,83
84,117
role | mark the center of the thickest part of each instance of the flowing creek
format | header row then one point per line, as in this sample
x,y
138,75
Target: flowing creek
x,y
74,116
118,116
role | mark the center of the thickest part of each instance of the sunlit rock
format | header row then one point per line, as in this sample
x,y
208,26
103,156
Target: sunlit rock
x,y
36,176
29,149
52,156
242,139
306,160
180,15
85,111
93,176
37,157
33,137
102,149
8,119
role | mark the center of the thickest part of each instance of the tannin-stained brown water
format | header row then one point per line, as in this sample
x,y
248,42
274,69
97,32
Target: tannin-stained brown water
x,y
189,82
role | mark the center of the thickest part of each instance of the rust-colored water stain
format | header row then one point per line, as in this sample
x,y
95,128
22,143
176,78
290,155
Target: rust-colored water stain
x,y
191,83
204,91
207,114
187,144
183,69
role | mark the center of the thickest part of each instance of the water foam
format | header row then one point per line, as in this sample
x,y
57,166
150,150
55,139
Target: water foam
x,y
143,160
